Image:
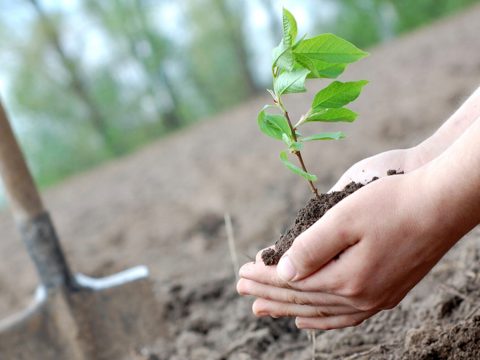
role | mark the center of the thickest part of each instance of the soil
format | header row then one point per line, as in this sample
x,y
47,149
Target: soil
x,y
163,207
439,320
306,217
309,215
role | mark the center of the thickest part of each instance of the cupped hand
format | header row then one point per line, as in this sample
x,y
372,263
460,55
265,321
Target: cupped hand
x,y
365,170
362,257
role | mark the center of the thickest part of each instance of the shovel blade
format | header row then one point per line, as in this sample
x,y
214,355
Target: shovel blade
x,y
106,319
43,331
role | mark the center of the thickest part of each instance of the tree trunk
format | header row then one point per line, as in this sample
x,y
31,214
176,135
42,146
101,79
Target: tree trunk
x,y
171,117
172,120
234,28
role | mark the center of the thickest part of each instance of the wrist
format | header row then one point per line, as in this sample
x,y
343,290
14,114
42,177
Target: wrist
x,y
428,150
437,217
417,156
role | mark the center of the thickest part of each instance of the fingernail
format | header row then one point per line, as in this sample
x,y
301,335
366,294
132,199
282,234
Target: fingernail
x,y
298,323
285,269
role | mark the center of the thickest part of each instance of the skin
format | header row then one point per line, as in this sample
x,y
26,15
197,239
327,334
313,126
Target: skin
x,y
415,157
335,275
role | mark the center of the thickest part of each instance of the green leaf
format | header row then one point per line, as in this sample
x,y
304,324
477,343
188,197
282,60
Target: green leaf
x,y
330,48
273,125
325,136
338,94
320,69
289,82
283,57
289,28
295,169
331,72
292,145
294,46
333,115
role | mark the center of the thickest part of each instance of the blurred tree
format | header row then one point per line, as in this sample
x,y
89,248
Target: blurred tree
x,y
57,139
76,81
52,122
156,50
211,59
232,14
416,13
126,22
92,79
192,57
358,21
371,21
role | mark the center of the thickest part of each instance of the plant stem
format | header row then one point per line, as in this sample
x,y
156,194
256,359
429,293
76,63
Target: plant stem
x,y
299,154
310,183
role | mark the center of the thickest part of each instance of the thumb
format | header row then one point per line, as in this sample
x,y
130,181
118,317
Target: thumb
x,y
315,247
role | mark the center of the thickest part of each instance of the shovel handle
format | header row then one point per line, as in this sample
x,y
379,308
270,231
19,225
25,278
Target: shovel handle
x,y
34,223
20,188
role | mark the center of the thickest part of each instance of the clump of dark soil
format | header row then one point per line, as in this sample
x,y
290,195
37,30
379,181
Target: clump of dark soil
x,y
307,216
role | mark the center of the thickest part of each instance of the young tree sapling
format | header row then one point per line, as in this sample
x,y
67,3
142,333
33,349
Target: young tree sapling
x,y
294,61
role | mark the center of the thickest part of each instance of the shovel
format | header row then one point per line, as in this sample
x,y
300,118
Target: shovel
x,y
73,316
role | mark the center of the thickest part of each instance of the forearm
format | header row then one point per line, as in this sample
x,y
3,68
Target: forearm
x,y
455,180
452,129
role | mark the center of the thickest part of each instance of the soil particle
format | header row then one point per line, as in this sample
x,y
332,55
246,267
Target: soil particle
x,y
394,172
307,216
449,306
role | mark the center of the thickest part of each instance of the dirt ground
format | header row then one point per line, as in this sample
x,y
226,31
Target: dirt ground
x,y
164,207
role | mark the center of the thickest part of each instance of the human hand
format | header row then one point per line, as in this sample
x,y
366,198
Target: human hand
x,y
365,170
363,256
412,158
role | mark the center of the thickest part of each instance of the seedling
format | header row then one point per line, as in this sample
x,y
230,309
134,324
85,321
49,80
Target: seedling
x,y
295,61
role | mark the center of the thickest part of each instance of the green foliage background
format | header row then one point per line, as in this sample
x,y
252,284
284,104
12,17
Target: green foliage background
x,y
147,74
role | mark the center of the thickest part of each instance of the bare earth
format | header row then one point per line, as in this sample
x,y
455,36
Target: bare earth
x,y
164,207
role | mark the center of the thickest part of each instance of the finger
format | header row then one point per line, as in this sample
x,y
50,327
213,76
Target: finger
x,y
254,268
253,288
264,307
333,322
319,244
261,273
328,279
332,277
